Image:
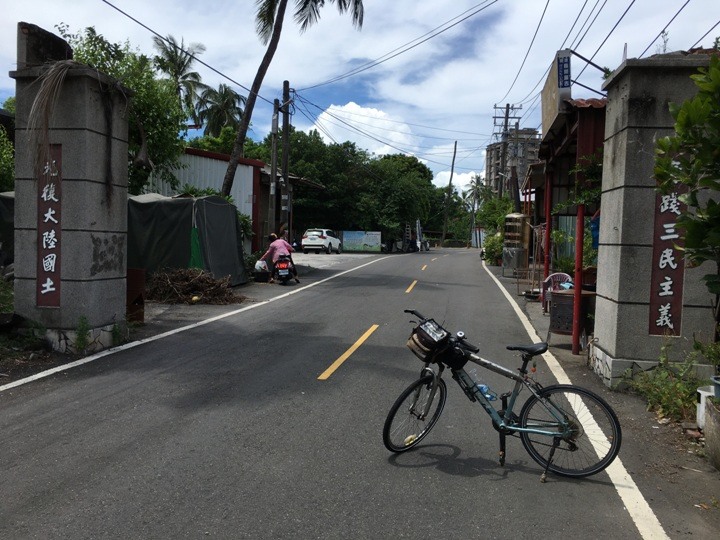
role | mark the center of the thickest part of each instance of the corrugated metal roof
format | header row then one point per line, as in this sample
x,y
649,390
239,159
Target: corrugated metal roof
x,y
595,103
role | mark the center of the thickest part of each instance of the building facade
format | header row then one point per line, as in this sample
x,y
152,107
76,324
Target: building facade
x,y
518,148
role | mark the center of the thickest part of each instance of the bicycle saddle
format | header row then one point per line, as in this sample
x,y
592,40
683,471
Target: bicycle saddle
x,y
532,350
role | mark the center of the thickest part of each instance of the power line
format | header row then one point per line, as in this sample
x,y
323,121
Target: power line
x,y
705,35
146,27
607,37
415,125
527,53
575,44
316,121
404,48
664,28
529,97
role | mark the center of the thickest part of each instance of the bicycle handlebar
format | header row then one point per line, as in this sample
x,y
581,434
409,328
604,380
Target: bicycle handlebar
x,y
416,313
460,340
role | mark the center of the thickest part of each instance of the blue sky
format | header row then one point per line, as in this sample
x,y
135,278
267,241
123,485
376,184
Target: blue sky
x,y
421,100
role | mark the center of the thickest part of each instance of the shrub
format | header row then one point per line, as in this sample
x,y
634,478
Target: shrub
x,y
493,246
670,390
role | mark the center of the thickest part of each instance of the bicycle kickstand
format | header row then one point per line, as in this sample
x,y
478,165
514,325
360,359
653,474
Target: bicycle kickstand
x,y
556,443
501,454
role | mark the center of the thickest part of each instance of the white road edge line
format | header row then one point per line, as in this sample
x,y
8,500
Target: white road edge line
x,y
640,512
106,352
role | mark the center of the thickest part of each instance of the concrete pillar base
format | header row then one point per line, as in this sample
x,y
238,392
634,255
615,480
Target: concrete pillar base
x,y
96,339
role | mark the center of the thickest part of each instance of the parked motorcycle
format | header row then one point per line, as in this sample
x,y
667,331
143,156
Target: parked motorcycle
x,y
284,269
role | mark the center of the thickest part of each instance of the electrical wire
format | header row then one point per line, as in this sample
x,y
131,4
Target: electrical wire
x,y
407,47
575,44
345,125
527,53
342,112
606,38
664,28
146,27
705,35
529,97
417,125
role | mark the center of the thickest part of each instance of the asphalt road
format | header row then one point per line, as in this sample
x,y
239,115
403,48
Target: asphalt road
x,y
224,430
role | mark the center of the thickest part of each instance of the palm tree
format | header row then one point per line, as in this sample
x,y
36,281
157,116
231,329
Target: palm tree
x,y
219,108
268,23
176,62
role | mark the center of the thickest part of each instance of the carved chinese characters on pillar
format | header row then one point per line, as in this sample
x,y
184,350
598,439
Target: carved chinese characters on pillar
x,y
668,268
49,230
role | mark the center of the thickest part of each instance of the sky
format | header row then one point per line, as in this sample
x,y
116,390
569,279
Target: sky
x,y
419,78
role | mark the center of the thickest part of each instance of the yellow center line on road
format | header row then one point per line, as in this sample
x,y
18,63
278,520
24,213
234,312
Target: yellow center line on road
x,y
424,267
337,363
410,288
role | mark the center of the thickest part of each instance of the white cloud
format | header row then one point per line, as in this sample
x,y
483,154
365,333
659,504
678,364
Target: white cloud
x,y
460,181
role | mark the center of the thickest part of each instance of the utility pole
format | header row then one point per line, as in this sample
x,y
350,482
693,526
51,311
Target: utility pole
x,y
286,189
503,155
273,168
504,138
513,170
449,194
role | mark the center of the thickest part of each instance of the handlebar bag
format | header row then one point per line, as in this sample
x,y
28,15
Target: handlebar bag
x,y
427,339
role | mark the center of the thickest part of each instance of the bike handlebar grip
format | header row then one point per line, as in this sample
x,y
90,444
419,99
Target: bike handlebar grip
x,y
417,313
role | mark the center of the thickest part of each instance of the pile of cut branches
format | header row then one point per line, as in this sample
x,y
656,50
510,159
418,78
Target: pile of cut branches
x,y
189,286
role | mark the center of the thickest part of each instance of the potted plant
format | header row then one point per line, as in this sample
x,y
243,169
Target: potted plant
x,y
493,247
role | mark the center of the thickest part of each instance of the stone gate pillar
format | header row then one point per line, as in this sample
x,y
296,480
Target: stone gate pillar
x,y
646,296
70,194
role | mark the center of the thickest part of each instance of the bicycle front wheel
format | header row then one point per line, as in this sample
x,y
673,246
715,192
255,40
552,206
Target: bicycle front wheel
x,y
407,424
588,431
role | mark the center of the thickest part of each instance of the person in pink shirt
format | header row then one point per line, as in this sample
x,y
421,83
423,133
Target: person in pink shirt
x,y
277,247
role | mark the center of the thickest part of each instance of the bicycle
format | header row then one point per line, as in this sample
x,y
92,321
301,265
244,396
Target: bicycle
x,y
566,429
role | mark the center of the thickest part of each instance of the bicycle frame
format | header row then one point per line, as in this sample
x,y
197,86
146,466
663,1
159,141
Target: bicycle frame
x,y
503,422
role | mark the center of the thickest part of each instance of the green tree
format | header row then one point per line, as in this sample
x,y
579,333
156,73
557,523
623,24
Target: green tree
x,y
397,193
268,23
492,211
471,198
689,162
177,62
156,117
9,105
7,152
7,162
219,108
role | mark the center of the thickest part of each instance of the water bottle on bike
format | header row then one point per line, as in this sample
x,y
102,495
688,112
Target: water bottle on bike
x,y
481,387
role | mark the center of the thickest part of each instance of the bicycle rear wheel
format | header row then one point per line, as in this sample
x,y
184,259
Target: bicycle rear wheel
x,y
591,440
406,425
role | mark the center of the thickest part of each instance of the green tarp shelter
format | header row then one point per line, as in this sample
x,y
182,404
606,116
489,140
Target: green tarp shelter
x,y
185,232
